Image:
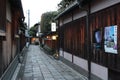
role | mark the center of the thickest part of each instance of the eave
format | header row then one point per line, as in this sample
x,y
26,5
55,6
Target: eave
x,y
69,8
72,6
18,5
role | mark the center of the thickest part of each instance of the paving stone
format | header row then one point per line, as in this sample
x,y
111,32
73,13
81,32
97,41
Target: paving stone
x,y
40,66
58,77
27,78
68,77
49,79
47,75
27,74
38,78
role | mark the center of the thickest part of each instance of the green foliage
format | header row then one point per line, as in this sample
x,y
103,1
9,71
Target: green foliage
x,y
48,17
33,30
23,27
46,20
64,4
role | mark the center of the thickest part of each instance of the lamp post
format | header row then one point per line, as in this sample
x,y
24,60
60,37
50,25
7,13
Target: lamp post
x,y
80,4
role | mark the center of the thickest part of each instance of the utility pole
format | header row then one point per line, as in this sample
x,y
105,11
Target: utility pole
x,y
28,19
27,34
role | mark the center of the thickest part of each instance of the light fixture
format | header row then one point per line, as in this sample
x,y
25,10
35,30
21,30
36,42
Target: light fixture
x,y
54,38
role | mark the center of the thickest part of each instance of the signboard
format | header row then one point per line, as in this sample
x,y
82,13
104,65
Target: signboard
x,y
53,27
110,39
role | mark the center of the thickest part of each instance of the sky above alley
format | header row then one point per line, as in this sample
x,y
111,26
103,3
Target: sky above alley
x,y
37,8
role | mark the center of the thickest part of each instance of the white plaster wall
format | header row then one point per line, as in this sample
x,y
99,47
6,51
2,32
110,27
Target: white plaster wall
x,y
69,19
96,69
68,56
79,15
96,7
8,12
103,4
80,62
99,71
61,53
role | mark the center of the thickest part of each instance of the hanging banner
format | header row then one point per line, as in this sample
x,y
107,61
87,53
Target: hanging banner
x,y
110,39
53,27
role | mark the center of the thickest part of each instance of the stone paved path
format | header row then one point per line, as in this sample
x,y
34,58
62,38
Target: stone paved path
x,y
40,66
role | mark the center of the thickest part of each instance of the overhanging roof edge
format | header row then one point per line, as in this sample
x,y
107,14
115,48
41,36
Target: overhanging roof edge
x,y
82,3
67,9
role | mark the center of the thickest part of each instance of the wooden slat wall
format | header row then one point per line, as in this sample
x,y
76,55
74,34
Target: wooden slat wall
x,y
1,65
99,20
52,44
49,43
22,41
73,36
2,14
72,39
2,27
8,54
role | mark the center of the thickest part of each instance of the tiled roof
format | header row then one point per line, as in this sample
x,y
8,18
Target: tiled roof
x,y
73,5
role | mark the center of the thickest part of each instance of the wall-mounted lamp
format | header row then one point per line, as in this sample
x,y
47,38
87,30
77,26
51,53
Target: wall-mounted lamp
x,y
54,37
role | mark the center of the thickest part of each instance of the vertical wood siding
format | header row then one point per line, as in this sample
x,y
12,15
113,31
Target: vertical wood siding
x,y
1,65
99,20
2,27
2,14
9,45
73,36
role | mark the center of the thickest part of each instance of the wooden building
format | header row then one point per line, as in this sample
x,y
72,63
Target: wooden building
x,y
11,19
50,40
78,27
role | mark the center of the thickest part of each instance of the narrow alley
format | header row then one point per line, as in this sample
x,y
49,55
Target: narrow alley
x,y
40,66
60,40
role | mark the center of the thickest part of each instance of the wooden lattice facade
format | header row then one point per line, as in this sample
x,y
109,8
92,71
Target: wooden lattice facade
x,y
73,36
11,17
